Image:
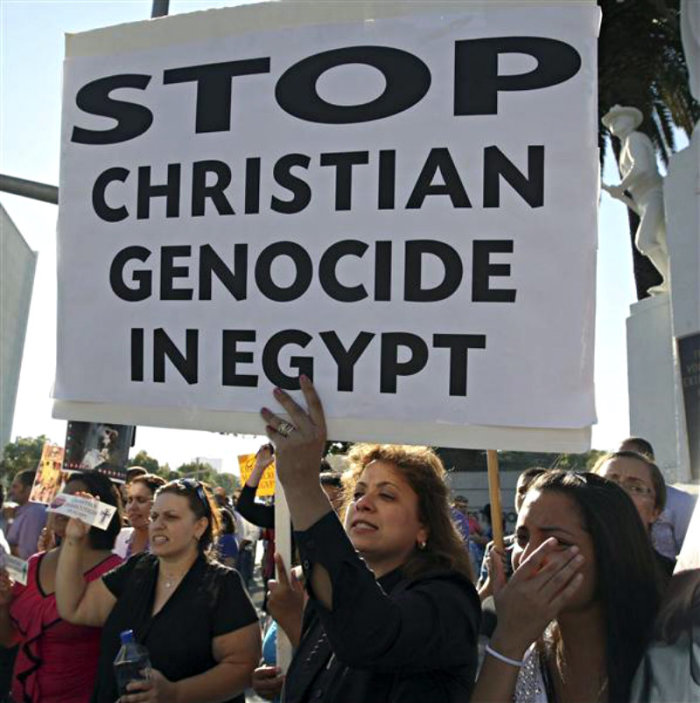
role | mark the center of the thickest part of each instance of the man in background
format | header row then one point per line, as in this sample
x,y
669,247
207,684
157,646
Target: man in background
x,y
30,518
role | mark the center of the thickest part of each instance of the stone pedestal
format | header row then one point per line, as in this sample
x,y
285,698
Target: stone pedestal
x,y
656,398
652,379
682,204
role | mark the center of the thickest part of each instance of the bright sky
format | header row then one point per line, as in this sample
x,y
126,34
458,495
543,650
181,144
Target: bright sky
x,y
31,55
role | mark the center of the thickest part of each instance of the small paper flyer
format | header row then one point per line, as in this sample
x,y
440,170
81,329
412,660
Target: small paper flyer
x,y
17,568
91,511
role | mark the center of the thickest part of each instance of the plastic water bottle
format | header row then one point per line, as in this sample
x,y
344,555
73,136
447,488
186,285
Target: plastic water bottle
x,y
132,662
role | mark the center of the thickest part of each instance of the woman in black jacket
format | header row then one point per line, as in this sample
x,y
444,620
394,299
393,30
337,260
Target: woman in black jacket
x,y
393,615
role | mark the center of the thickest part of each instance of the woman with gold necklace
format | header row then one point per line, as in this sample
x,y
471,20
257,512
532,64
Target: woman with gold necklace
x,y
575,617
193,614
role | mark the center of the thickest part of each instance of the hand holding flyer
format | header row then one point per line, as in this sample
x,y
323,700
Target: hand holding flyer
x,y
89,510
15,567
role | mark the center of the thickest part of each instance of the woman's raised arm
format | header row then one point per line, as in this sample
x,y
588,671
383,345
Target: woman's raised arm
x,y
299,448
78,602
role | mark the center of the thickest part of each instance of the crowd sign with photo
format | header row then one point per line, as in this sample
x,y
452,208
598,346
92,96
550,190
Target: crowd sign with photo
x,y
402,207
49,475
98,446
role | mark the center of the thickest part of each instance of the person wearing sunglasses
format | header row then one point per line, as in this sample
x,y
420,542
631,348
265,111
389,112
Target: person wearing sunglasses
x,y
193,614
644,483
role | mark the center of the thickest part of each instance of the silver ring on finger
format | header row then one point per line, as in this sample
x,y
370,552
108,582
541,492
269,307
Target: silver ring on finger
x,y
285,428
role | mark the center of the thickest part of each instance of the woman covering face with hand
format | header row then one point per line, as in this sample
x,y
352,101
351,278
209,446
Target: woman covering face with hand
x,y
574,618
192,614
392,614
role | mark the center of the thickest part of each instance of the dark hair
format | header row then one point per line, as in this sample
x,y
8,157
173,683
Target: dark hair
x,y
331,478
639,444
523,483
629,582
133,471
228,524
152,481
201,503
680,610
657,478
101,487
425,473
26,477
529,475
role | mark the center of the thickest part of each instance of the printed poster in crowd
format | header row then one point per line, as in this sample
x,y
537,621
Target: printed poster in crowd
x,y
398,200
266,487
49,475
689,362
100,447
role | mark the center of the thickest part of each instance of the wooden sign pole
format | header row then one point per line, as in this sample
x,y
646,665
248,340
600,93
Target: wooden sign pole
x,y
495,497
283,546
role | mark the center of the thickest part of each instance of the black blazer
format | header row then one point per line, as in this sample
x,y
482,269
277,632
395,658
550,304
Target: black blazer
x,y
393,640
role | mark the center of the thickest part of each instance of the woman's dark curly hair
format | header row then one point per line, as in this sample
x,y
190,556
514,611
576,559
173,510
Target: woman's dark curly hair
x,y
424,472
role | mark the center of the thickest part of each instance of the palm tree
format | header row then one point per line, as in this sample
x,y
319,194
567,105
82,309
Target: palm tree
x,y
641,63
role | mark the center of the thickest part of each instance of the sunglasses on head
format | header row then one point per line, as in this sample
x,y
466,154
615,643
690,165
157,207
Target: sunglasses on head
x,y
193,484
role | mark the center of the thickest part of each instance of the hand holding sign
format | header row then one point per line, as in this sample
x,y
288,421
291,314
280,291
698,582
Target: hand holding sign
x,y
84,510
16,568
264,457
299,443
285,601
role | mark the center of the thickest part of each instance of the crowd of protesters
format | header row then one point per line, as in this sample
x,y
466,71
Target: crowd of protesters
x,y
393,589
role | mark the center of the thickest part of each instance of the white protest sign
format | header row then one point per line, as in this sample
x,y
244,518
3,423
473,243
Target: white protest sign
x,y
399,201
17,568
93,512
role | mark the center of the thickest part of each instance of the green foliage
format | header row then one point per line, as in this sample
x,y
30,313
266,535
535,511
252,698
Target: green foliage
x,y
148,462
229,482
519,461
641,63
475,460
23,453
203,471
578,462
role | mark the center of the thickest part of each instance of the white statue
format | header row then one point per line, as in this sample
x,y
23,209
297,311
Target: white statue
x,y
641,179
